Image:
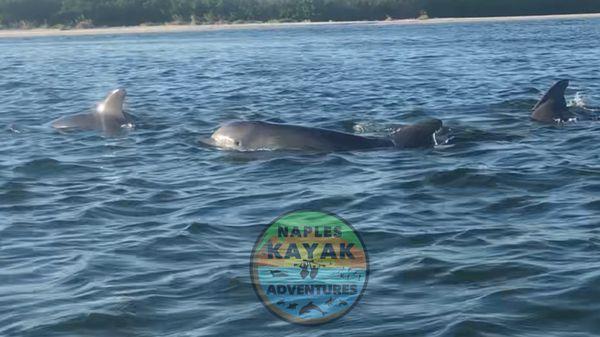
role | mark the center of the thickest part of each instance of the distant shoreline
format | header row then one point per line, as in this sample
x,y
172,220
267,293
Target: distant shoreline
x,y
170,28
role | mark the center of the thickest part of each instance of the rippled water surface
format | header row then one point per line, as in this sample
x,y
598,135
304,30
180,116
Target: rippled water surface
x,y
495,234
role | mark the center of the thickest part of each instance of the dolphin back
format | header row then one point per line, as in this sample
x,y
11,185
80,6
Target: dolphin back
x,y
256,135
417,135
88,121
109,117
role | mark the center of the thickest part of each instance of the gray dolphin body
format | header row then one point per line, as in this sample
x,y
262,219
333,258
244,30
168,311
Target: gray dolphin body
x,y
109,117
255,136
552,107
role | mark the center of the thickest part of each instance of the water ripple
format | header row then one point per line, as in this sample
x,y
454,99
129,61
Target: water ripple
x,y
493,234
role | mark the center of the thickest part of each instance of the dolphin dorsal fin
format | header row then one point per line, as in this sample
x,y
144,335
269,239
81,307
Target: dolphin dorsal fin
x,y
555,93
113,103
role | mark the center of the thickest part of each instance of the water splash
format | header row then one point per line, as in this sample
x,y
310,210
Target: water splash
x,y
577,101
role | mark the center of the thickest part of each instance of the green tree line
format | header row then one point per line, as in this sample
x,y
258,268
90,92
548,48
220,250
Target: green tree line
x,y
135,12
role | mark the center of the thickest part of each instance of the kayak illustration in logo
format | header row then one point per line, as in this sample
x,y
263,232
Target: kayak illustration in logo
x,y
309,267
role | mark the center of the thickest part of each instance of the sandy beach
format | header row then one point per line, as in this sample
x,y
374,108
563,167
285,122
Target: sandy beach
x,y
169,28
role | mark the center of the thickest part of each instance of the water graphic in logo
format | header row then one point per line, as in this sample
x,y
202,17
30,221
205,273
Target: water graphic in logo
x,y
309,267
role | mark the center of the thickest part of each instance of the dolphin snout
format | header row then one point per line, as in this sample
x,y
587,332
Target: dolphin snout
x,y
120,92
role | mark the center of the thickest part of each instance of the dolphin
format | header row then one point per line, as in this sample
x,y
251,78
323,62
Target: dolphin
x,y
552,107
109,117
310,307
257,135
278,273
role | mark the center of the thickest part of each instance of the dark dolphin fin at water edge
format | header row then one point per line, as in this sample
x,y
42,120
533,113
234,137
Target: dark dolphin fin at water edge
x,y
553,106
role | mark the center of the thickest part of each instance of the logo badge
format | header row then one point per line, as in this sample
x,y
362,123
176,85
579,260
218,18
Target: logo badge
x,y
309,267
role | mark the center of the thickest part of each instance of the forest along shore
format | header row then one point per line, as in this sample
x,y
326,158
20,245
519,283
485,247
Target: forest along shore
x,y
17,33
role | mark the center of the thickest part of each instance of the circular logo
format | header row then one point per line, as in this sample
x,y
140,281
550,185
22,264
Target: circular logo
x,y
309,267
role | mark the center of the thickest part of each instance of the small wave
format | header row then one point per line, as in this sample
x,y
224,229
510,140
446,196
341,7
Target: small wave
x,y
51,167
128,208
477,327
463,178
579,101
12,128
492,272
362,127
93,321
16,193
11,85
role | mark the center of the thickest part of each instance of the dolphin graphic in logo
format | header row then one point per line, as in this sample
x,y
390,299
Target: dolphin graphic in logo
x,y
310,307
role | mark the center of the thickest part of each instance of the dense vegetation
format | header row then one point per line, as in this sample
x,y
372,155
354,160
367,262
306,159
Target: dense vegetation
x,y
133,12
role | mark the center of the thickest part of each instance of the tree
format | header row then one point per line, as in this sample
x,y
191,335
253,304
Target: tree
x,y
134,12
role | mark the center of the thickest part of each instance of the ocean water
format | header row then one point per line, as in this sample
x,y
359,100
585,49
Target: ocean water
x,y
496,233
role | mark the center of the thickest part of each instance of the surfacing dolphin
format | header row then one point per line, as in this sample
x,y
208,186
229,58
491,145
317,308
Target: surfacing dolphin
x,y
256,136
109,117
552,108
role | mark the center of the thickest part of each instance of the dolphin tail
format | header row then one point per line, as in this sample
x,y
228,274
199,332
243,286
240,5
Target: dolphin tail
x,y
557,94
417,135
